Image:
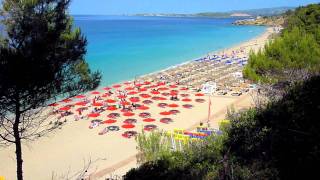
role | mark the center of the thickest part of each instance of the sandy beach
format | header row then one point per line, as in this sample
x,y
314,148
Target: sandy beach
x,y
66,152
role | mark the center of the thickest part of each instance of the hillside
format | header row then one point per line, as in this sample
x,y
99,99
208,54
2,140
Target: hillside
x,y
228,14
262,21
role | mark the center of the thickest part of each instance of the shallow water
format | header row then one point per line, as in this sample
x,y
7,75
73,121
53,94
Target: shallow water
x,y
123,47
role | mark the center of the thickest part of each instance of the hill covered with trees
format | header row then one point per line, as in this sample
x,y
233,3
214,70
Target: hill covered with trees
x,y
296,50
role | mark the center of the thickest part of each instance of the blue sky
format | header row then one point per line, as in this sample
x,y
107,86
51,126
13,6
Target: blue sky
x,y
174,6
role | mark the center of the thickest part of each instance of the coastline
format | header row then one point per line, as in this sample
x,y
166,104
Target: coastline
x,y
115,157
245,101
268,31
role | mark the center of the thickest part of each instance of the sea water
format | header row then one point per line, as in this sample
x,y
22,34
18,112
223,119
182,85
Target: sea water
x,y
125,47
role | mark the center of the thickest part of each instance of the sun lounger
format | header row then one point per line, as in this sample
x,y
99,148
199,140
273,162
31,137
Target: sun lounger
x,y
94,125
103,131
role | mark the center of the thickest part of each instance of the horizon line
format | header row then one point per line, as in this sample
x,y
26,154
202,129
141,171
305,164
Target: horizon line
x,y
229,11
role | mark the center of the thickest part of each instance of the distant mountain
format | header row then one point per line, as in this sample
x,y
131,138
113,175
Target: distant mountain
x,y
235,13
265,11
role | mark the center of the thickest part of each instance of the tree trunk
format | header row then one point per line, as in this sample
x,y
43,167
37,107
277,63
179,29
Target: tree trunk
x,y
18,145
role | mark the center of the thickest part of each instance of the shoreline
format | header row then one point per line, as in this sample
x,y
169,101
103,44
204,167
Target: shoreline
x,y
79,142
123,166
216,52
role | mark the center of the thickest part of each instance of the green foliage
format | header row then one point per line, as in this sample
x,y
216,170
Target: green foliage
x,y
41,59
42,55
297,48
279,141
197,160
152,146
284,136
307,18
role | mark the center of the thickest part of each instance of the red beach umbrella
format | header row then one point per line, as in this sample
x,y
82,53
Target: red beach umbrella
x,y
97,104
155,92
66,100
79,109
110,101
173,105
173,93
132,92
165,113
153,86
105,95
186,100
127,83
200,100
80,96
184,95
93,114
183,89
143,89
128,114
150,127
65,108
145,95
143,108
162,98
162,105
109,121
116,86
161,83
124,110
199,94
129,134
54,104
121,96
165,94
173,86
130,121
149,120
134,100
129,88
81,103
166,120
147,83
124,103
111,108
95,92
187,106
145,115
163,89
128,126
107,88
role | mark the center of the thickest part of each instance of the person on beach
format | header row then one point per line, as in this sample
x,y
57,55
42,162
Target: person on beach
x,y
134,106
76,117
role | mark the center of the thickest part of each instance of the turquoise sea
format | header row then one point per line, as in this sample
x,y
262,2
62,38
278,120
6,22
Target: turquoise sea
x,y
123,47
